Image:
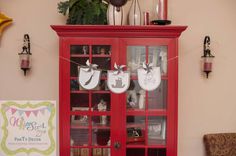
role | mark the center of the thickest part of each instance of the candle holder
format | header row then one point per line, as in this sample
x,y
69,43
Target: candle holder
x,y
207,56
161,11
25,55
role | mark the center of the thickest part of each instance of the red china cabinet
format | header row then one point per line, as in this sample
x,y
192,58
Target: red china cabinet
x,y
135,123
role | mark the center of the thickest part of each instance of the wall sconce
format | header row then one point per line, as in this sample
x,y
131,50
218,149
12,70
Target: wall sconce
x,y
207,56
25,55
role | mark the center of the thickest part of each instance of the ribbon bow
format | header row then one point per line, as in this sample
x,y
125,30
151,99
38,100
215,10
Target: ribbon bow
x,y
147,67
90,67
118,68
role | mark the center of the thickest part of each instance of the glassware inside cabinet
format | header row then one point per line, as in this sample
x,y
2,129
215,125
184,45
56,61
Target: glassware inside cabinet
x,y
101,102
157,55
136,55
135,97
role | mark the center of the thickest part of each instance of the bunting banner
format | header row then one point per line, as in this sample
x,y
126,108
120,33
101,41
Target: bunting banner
x,y
89,76
118,81
28,128
149,78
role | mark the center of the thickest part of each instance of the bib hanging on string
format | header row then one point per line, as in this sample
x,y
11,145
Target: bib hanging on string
x,y
118,81
149,78
89,76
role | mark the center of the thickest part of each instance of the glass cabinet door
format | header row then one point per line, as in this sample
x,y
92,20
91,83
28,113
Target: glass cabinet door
x,y
90,110
146,110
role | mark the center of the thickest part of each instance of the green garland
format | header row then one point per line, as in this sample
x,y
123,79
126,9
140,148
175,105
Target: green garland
x,y
84,11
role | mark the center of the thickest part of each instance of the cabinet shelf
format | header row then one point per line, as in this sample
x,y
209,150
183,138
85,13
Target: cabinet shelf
x,y
78,127
101,56
90,113
136,125
135,77
101,127
146,146
89,146
158,112
78,55
93,91
76,78
79,92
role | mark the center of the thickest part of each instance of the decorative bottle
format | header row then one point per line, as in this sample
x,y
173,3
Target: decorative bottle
x,y
135,13
115,15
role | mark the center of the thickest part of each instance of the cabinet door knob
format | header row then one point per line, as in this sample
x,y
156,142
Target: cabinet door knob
x,y
117,145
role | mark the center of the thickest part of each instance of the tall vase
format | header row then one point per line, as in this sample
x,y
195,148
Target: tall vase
x,y
135,13
115,15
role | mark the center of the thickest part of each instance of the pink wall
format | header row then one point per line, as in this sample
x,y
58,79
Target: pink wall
x,y
205,105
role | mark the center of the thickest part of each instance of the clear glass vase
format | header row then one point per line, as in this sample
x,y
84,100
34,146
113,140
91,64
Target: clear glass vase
x,y
135,13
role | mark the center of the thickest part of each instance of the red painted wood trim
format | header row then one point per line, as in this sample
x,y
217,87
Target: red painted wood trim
x,y
118,31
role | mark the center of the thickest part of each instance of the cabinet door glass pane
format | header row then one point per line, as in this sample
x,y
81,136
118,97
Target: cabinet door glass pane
x,y
101,152
104,64
156,130
79,136
156,152
157,99
79,101
100,136
135,130
136,55
74,63
101,50
135,97
101,102
157,55
79,152
135,152
79,49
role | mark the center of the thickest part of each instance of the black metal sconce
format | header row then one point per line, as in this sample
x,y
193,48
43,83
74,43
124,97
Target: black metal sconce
x,y
207,56
25,55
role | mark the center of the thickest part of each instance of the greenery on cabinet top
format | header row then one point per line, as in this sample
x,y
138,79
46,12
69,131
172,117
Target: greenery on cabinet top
x,y
84,11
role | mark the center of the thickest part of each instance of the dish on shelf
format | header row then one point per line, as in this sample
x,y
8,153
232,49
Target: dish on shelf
x,y
161,22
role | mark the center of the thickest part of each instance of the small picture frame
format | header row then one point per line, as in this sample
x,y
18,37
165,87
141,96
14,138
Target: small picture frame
x,y
135,135
157,130
79,119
